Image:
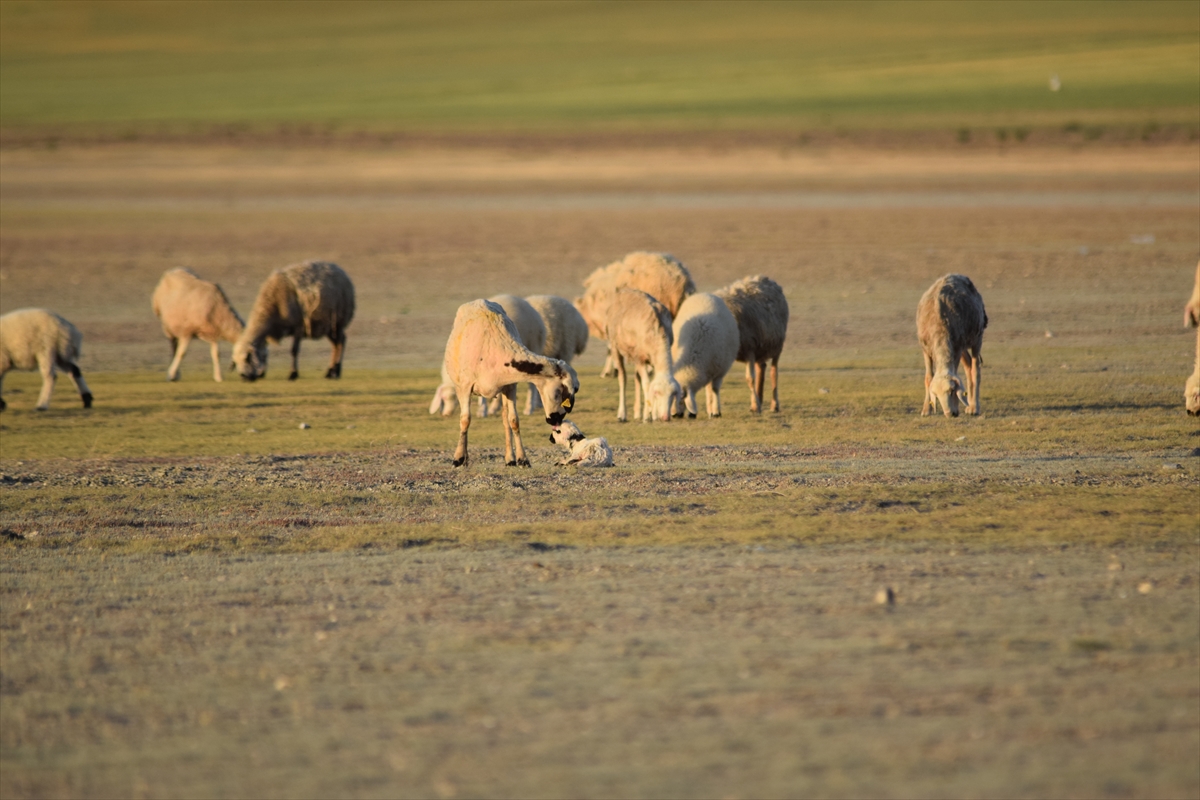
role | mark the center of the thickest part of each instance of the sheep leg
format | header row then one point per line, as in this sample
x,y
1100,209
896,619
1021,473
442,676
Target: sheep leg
x,y
512,431
621,417
774,385
3,405
295,358
464,422
712,395
927,405
974,371
216,357
534,401
754,406
81,386
181,346
49,374
689,403
760,375
335,356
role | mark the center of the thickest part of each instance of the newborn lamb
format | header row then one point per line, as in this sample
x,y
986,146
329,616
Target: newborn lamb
x,y
582,452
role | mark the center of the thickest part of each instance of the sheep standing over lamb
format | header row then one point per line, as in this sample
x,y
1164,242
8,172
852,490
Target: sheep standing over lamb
x,y
950,324
1191,316
705,346
484,356
581,451
309,300
761,311
189,307
34,338
638,330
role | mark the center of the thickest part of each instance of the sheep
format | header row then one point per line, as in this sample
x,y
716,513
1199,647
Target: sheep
x,y
305,301
566,332
950,324
660,275
761,311
1191,316
705,346
484,356
581,451
638,328
34,338
188,306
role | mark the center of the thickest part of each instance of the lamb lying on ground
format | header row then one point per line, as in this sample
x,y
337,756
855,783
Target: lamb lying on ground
x,y
950,324
1191,316
189,306
34,338
309,300
484,356
706,343
581,451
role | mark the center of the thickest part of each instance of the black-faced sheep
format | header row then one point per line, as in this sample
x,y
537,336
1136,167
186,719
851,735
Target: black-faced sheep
x,y
581,451
950,324
34,338
638,330
190,307
484,356
706,344
1191,316
310,300
761,312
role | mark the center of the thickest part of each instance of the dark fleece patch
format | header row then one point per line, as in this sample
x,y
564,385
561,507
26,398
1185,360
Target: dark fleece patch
x,y
576,437
528,367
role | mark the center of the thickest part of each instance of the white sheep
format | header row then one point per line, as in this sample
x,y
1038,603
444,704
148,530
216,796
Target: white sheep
x,y
1191,316
309,300
950,324
638,329
761,312
706,344
189,306
484,356
581,451
660,275
566,333
34,338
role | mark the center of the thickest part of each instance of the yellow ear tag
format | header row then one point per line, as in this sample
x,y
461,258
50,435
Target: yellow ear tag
x,y
567,403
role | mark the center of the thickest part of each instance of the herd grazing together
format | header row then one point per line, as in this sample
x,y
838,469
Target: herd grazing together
x,y
645,308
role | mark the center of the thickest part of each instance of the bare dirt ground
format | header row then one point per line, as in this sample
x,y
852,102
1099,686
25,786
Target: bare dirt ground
x,y
348,615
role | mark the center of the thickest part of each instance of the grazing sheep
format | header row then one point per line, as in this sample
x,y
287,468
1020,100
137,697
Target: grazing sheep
x,y
566,333
305,301
189,306
660,275
581,451
638,328
706,344
950,324
761,312
484,356
1191,316
34,338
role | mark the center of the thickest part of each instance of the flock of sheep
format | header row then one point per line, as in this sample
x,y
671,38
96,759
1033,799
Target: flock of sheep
x,y
674,340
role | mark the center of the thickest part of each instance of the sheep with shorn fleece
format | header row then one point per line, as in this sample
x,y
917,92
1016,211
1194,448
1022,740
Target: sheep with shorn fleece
x,y
566,333
761,311
950,324
660,275
638,330
706,344
310,300
190,307
1191,316
484,356
34,338
581,451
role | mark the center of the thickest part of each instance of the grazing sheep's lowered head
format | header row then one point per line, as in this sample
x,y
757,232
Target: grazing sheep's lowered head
x,y
663,392
249,361
558,397
946,388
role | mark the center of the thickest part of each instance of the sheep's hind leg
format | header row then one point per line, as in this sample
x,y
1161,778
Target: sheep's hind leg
x,y
81,386
335,356
295,358
974,371
927,405
775,385
620,388
180,346
755,406
216,359
48,377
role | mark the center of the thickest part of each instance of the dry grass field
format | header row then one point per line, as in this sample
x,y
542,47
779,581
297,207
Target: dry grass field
x,y
200,598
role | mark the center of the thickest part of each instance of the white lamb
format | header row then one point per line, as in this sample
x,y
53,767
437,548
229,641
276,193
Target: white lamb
x,y
309,300
189,306
581,451
34,338
484,356
761,312
1191,316
706,344
950,324
638,329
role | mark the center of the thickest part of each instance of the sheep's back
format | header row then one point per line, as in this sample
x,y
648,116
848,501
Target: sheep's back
x,y
530,327
566,329
324,295
761,311
952,312
29,332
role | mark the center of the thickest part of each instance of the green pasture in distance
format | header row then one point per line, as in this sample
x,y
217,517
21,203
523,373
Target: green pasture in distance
x,y
580,66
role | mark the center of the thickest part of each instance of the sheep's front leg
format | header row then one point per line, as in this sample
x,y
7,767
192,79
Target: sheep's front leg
x,y
181,346
620,388
514,450
775,385
464,422
712,397
972,370
689,403
534,401
216,358
760,376
927,405
751,366
48,376
295,358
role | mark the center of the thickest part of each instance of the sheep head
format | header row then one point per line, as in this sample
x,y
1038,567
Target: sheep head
x,y
660,394
557,384
565,433
946,388
250,361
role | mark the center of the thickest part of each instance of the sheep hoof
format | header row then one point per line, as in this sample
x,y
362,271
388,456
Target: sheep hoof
x,y
87,399
715,416
294,375
334,372
458,462
4,405
691,415
524,462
